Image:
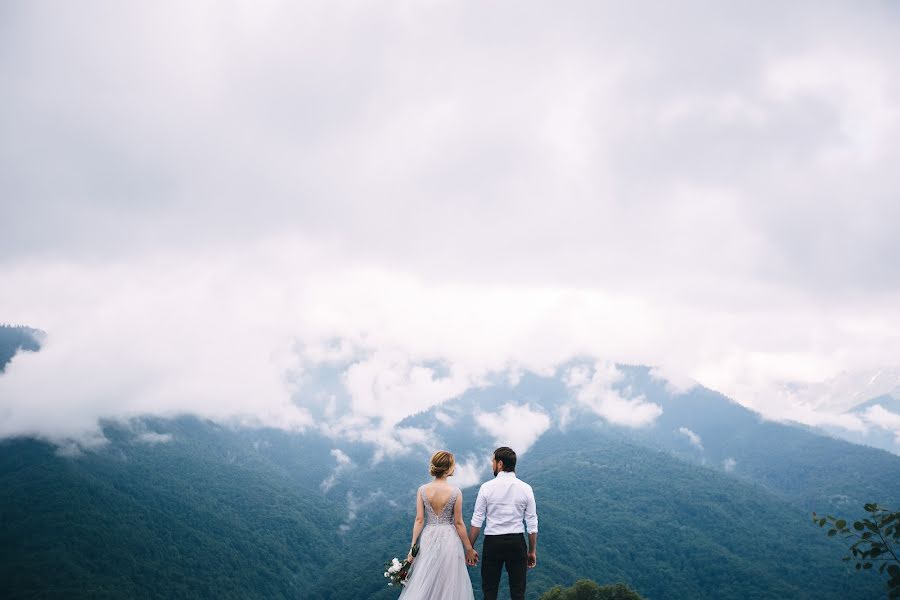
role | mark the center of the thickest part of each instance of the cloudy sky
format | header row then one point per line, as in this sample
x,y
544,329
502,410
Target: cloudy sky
x,y
203,202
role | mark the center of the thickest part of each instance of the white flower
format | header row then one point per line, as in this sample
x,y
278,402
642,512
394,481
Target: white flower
x,y
386,574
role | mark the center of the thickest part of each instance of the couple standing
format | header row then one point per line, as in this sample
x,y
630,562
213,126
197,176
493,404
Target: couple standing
x,y
438,572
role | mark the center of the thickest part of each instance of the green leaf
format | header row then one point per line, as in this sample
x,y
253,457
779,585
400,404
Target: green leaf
x,y
867,565
840,523
832,532
893,570
857,526
821,521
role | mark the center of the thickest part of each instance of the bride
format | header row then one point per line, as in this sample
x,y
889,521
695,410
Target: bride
x,y
439,571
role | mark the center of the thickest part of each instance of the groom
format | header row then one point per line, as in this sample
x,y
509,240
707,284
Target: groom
x,y
506,502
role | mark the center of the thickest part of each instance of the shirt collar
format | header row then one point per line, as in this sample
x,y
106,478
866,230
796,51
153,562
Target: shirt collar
x,y
506,474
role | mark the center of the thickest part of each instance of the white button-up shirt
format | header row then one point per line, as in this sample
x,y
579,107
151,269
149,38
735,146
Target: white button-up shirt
x,y
506,501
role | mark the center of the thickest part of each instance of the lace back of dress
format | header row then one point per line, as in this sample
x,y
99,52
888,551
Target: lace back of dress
x,y
446,515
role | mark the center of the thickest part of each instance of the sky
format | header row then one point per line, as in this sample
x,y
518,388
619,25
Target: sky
x,y
209,205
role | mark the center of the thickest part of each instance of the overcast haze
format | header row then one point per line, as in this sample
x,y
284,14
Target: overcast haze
x,y
203,203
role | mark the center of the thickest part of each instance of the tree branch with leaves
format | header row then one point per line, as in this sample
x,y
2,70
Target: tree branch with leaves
x,y
876,541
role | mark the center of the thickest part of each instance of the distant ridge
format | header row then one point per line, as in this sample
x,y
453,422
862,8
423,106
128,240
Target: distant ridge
x,y
889,402
14,338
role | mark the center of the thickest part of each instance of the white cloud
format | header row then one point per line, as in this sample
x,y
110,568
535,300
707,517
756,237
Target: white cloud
x,y
693,438
729,464
676,383
343,463
341,457
879,416
516,426
564,416
152,438
75,448
444,418
596,392
355,505
388,441
497,196
389,386
580,375
845,391
470,471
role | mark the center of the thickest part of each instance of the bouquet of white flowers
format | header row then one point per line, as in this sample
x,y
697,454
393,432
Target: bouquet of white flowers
x,y
397,571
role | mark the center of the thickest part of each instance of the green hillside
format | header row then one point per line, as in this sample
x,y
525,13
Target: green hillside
x,y
218,513
613,511
192,519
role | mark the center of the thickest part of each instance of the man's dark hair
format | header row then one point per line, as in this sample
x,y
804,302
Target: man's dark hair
x,y
508,456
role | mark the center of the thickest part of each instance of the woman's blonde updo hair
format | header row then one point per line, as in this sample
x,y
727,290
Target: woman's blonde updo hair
x,y
441,463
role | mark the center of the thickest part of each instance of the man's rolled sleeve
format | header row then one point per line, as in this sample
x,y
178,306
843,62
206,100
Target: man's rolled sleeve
x,y
478,513
531,520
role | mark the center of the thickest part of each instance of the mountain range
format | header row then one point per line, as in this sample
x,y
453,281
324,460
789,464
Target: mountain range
x,y
677,493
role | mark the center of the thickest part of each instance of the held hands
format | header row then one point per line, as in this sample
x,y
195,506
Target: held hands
x,y
471,557
532,560
410,558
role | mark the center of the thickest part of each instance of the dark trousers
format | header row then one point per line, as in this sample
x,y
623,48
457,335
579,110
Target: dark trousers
x,y
499,550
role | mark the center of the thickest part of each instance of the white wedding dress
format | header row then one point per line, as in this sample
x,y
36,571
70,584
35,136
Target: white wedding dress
x,y
439,571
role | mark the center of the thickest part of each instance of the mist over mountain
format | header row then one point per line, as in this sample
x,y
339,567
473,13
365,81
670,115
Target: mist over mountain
x,y
881,419
696,425
865,406
680,493
848,390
